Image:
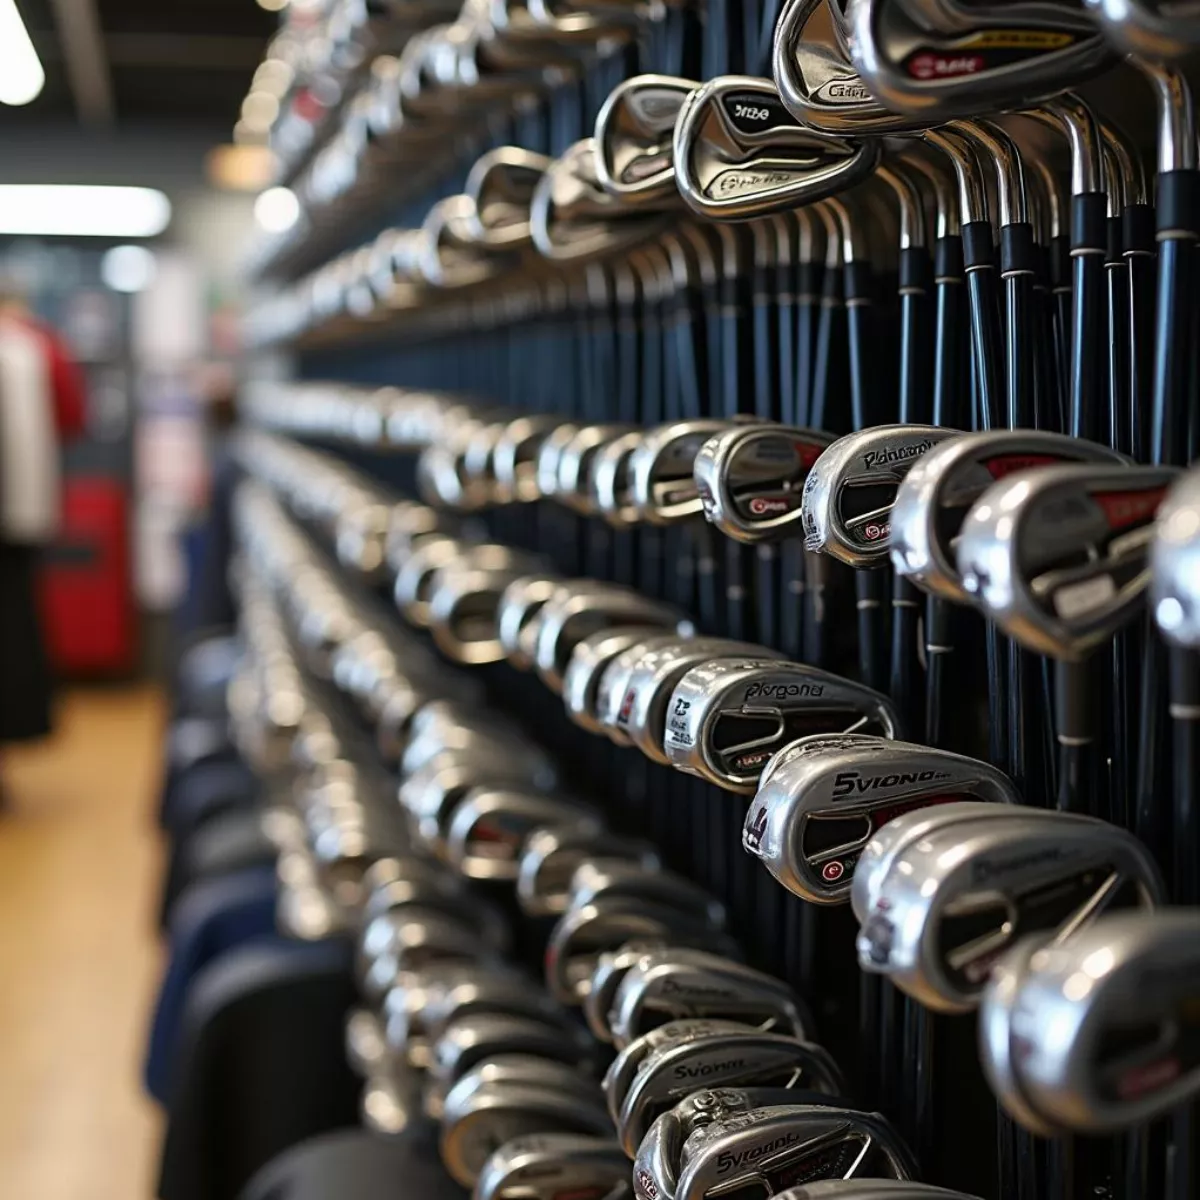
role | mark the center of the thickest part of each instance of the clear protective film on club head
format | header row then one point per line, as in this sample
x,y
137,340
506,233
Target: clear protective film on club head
x,y
936,495
1059,556
957,900
849,493
678,984
670,1073
590,656
1107,1022
775,1146
550,1165
1175,564
634,138
551,855
914,69
727,719
816,812
739,154
751,478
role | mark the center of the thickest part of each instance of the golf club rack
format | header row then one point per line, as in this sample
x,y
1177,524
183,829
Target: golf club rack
x,y
719,592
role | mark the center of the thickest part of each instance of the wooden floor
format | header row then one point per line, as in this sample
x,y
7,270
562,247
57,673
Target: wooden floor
x,y
78,957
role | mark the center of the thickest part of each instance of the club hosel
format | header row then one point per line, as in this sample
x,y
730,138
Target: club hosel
x,y
1178,205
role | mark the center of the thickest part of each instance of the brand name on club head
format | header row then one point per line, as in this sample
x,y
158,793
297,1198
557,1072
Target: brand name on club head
x,y
704,1070
782,691
676,987
763,506
986,870
738,183
735,1160
843,91
854,783
645,1184
896,454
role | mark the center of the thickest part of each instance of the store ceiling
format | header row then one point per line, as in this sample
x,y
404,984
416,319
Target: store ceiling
x,y
139,62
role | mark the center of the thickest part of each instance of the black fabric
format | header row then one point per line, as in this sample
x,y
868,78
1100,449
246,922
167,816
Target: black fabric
x,y
357,1165
262,1066
26,682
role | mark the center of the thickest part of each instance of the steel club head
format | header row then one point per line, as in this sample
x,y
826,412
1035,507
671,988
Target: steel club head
x,y
551,855
551,1165
1175,563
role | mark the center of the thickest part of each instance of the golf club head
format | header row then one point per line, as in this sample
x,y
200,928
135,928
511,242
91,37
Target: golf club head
x,y
673,984
954,902
661,470
774,1147
612,485
495,1103
850,490
1155,29
464,606
1058,557
549,452
548,1166
551,855
409,523
988,64
670,1073
726,719
814,816
489,826
447,255
1175,564
520,605
633,139
603,879
516,454
740,154
1125,1047
614,678
583,933
576,465
751,478
500,185
936,495
590,656
871,1189
391,1103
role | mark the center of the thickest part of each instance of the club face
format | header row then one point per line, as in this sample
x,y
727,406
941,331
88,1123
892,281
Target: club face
x,y
915,70
939,924
1128,1050
850,490
1058,557
936,495
547,1166
634,133
589,658
815,815
726,720
740,154
550,857
751,479
1175,564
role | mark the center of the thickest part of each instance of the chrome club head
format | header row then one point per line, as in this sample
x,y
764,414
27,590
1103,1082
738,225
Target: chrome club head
x,y
849,493
464,607
1058,556
1123,1049
740,154
957,900
871,1189
516,452
1153,28
993,62
519,607
600,880
514,1097
936,495
672,984
590,656
661,470
576,466
613,681
633,140
551,855
488,828
727,718
1175,563
751,478
670,1073
612,487
815,814
774,1147
501,184
551,1165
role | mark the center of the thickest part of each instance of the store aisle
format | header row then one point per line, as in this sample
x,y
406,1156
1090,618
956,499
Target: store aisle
x,y
78,962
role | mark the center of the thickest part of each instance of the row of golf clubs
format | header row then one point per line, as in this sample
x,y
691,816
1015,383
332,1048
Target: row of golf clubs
x,y
446,1006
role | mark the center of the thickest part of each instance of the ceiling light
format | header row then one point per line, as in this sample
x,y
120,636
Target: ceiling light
x,y
21,74
70,210
128,269
277,210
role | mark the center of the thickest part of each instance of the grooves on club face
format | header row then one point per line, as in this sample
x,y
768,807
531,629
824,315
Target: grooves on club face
x,y
726,719
633,138
815,814
1058,556
751,479
917,70
740,154
1175,563
1122,1001
936,495
849,493
962,896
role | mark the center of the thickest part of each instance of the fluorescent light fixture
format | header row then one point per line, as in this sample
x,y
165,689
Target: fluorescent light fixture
x,y
128,269
277,210
21,74
71,210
